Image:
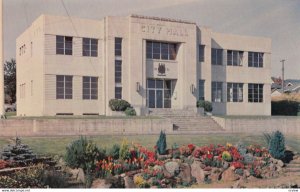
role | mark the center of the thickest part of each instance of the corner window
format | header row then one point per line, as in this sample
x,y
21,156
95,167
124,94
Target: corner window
x,y
89,88
118,46
161,50
255,93
118,92
217,91
90,47
235,58
64,87
201,53
64,45
235,92
216,56
118,71
255,59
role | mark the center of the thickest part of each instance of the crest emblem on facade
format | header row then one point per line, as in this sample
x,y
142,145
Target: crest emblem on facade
x,y
161,69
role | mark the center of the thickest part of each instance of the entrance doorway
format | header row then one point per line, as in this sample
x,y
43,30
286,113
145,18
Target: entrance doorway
x,y
159,93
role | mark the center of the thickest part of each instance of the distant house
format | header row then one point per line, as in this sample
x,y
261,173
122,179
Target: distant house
x,y
290,86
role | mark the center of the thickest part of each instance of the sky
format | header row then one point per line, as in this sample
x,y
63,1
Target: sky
x,y
276,19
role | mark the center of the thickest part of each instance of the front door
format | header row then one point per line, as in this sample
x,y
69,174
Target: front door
x,y
159,93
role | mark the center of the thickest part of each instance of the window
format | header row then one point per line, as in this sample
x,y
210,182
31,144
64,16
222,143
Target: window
x,y
64,45
235,58
118,46
118,92
118,71
161,50
255,93
201,53
89,47
235,92
217,56
90,88
201,90
216,91
255,59
64,86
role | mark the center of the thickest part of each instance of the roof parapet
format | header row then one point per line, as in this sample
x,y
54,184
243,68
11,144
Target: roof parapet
x,y
162,19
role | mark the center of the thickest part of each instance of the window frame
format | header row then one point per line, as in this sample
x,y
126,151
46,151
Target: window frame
x,y
237,92
66,43
201,53
92,89
216,86
118,46
255,93
65,81
255,59
161,50
92,47
235,58
216,56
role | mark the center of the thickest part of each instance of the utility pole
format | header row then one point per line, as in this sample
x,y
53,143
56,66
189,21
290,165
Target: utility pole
x,y
2,94
282,83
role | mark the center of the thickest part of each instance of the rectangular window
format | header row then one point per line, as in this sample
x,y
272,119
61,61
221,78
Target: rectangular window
x,y
118,46
216,91
255,93
89,88
235,92
201,53
161,50
118,92
201,90
217,56
118,71
235,58
89,47
64,45
64,87
255,59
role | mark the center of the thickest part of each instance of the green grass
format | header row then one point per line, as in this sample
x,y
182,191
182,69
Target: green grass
x,y
57,145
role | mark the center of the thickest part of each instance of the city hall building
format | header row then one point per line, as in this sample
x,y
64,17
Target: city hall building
x,y
74,66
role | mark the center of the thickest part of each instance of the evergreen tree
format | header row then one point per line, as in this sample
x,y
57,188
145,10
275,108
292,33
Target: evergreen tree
x,y
277,145
161,143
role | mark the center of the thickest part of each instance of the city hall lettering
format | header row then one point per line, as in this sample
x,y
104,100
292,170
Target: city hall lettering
x,y
161,29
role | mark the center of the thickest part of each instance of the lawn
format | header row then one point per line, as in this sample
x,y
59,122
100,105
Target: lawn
x,y
57,145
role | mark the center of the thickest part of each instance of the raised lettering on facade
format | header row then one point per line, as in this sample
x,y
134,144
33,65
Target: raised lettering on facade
x,y
154,29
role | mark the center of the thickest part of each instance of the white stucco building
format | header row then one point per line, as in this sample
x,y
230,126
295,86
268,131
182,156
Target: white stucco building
x,y
75,66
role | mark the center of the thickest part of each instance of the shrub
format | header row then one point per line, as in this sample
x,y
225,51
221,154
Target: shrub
x,y
206,105
242,149
226,156
83,153
124,150
130,111
248,159
114,152
118,105
277,145
285,107
161,143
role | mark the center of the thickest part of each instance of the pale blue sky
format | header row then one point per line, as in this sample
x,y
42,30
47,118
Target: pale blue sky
x,y
277,19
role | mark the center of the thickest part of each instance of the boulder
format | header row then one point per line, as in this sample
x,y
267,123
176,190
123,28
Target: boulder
x,y
100,183
215,174
247,173
77,174
280,163
197,172
185,172
129,182
172,167
225,165
229,175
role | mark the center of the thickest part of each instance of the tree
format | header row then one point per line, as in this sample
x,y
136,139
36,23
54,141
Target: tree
x,y
10,79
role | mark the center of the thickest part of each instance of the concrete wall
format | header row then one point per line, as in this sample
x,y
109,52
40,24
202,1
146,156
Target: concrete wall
x,y
287,125
65,127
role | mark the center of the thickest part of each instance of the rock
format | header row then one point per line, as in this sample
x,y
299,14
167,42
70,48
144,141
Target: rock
x,y
207,169
185,172
247,173
232,168
280,163
278,168
229,175
77,174
197,172
215,174
115,181
237,184
100,183
172,167
225,165
129,182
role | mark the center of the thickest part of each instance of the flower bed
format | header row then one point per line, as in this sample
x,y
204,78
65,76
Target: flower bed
x,y
187,165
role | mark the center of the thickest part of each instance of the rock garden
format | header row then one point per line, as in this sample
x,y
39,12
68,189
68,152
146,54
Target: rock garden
x,y
131,165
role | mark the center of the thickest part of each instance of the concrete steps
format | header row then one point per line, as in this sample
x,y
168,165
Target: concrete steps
x,y
188,121
293,166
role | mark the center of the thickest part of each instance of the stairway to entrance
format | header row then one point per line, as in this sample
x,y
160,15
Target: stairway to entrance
x,y
188,121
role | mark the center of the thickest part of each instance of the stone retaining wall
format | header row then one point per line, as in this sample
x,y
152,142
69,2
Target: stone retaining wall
x,y
287,125
65,127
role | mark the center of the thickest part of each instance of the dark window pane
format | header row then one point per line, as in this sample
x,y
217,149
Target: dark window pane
x,y
151,83
159,83
85,41
201,53
68,52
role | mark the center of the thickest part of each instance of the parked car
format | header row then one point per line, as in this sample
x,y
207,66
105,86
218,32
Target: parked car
x,y
10,107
